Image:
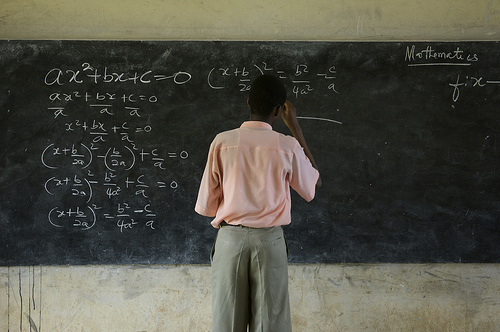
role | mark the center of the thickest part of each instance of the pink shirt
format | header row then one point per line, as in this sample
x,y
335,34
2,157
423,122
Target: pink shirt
x,y
248,176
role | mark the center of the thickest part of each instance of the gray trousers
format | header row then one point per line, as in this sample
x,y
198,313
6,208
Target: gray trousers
x,y
250,281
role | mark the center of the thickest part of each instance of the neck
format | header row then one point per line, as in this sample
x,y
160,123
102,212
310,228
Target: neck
x,y
255,117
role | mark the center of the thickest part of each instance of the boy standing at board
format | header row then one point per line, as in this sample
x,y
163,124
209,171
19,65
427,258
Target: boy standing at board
x,y
246,187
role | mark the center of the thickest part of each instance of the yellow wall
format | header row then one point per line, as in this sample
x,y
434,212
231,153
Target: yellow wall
x,y
340,297
251,20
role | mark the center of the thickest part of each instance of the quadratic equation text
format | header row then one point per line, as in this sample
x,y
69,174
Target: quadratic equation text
x,y
101,167
302,79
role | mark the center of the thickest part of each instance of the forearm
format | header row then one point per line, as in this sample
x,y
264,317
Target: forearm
x,y
299,136
290,119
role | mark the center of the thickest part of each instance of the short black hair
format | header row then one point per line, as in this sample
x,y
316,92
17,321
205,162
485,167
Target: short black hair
x,y
266,93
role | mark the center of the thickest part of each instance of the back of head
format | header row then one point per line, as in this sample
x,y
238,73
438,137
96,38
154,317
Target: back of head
x,y
266,93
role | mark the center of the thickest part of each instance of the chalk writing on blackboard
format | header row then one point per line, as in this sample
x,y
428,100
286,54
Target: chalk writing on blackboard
x,y
101,157
470,82
429,56
303,80
57,76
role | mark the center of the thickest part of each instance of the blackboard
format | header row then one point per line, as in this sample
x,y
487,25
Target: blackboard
x,y
103,145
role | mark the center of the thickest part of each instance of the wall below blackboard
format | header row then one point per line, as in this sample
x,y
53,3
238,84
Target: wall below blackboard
x,y
323,298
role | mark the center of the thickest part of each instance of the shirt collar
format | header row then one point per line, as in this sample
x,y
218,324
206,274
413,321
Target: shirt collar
x,y
256,124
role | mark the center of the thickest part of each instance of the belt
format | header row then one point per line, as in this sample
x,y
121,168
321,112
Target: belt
x,y
223,224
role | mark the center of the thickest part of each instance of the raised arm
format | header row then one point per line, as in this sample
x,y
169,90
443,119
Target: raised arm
x,y
289,116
